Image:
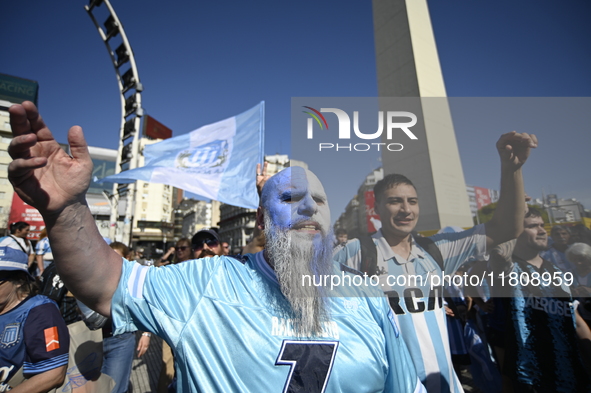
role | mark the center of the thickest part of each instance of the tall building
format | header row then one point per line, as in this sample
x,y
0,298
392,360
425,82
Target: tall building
x,y
408,66
13,90
359,213
153,223
194,216
6,189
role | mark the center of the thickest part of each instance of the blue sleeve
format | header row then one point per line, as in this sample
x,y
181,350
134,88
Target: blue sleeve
x,y
458,248
159,300
402,376
47,339
350,254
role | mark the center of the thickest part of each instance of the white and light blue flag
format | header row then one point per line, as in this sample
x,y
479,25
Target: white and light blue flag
x,y
216,161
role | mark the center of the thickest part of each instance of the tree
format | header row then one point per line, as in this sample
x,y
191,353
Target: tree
x,y
486,213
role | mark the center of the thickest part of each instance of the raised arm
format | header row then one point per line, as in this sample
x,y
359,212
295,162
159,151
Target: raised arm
x,y
47,178
507,221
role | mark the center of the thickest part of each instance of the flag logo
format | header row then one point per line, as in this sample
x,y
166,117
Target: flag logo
x,y
210,156
52,340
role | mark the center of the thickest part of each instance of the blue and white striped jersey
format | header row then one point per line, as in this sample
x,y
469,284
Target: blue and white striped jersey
x,y
418,306
224,319
43,248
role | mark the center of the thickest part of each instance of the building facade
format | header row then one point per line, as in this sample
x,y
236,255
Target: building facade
x,y
6,190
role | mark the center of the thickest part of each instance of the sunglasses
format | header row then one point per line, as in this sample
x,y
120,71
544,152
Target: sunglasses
x,y
181,248
211,243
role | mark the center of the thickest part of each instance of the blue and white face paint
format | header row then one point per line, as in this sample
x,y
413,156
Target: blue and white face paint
x,y
298,243
296,200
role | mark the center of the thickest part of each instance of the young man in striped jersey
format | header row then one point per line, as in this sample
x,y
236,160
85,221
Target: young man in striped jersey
x,y
405,269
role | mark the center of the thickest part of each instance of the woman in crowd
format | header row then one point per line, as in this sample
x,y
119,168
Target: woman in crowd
x,y
18,239
34,339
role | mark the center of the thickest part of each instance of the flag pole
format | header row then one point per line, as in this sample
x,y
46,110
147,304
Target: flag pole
x,y
262,133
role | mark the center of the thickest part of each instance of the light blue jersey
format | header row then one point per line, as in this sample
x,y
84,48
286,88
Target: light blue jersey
x,y
224,320
418,306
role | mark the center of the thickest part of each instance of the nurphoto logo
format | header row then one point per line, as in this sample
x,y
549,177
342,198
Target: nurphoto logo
x,y
395,121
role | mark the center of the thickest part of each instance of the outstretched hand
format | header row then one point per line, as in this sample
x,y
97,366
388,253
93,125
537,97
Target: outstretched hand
x,y
41,172
514,148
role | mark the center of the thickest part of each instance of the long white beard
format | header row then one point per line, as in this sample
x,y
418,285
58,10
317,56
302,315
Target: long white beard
x,y
296,255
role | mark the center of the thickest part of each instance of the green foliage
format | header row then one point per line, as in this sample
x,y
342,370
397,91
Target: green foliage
x,y
487,212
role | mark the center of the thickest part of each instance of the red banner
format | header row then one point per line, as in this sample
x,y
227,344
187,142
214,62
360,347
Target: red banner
x,y
482,197
20,211
154,129
372,219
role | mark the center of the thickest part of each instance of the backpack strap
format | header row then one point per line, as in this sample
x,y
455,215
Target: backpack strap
x,y
431,248
369,255
20,245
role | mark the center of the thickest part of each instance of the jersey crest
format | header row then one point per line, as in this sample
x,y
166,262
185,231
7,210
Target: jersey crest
x,y
10,335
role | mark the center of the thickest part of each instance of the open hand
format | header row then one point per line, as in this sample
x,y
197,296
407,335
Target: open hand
x,y
41,172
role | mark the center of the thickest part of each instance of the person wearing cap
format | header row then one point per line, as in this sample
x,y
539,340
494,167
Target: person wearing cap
x,y
34,339
206,243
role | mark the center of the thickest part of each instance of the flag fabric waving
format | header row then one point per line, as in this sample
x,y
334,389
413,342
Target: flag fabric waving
x,y
216,161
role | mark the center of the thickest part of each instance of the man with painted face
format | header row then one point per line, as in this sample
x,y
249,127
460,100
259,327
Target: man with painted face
x,y
235,325
399,258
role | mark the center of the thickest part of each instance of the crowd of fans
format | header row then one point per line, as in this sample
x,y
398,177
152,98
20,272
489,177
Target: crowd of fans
x,y
247,322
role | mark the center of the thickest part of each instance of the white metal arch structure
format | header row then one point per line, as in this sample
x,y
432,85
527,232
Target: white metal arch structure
x,y
131,111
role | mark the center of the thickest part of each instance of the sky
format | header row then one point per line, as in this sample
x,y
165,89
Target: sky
x,y
204,61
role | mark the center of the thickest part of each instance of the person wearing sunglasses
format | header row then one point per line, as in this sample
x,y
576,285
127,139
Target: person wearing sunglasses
x,y
206,243
182,251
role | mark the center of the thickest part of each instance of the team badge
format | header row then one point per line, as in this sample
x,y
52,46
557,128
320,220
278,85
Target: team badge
x,y
10,335
208,158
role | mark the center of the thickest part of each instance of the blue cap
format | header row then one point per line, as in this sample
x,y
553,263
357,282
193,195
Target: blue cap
x,y
13,260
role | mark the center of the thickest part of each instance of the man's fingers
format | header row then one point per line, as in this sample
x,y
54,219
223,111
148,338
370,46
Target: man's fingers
x,y
18,120
78,145
514,139
24,166
25,119
534,139
36,122
20,146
